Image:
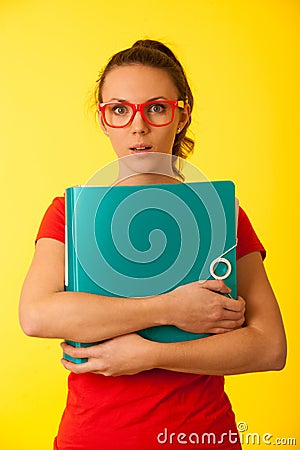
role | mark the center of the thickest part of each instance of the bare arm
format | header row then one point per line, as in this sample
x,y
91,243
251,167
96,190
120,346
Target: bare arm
x,y
46,310
259,346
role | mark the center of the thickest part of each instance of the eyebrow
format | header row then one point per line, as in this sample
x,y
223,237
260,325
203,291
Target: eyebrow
x,y
126,101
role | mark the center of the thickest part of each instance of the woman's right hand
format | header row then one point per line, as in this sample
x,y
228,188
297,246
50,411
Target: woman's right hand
x,y
200,307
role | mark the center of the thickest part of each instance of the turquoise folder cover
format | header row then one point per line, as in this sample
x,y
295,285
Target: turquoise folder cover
x,y
137,241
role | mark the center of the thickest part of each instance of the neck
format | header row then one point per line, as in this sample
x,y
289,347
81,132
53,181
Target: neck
x,y
148,168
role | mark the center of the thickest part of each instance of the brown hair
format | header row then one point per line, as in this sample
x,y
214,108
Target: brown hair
x,y
155,54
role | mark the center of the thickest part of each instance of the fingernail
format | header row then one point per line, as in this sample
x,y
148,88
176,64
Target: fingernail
x,y
201,281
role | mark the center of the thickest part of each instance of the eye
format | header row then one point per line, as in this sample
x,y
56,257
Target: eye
x,y
119,109
157,108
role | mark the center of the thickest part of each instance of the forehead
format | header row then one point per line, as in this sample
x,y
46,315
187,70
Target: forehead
x,y
138,83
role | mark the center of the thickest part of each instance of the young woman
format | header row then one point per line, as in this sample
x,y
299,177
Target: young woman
x,y
135,394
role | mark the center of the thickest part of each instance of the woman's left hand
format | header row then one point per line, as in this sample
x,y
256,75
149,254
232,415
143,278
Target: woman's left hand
x,y
122,355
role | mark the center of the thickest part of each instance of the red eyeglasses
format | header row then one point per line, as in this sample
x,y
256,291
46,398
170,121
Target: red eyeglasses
x,y
157,113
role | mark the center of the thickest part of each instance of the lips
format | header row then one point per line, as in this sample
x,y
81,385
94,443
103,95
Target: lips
x,y
140,147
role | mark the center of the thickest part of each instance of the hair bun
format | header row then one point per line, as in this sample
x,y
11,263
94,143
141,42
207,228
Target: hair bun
x,y
156,45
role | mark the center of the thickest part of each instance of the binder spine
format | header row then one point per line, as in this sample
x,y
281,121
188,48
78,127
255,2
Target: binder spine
x,y
71,261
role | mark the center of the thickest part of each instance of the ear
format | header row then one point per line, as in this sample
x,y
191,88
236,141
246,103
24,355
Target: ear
x,y
101,123
184,117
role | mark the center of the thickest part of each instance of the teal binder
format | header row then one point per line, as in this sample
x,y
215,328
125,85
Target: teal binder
x,y
137,241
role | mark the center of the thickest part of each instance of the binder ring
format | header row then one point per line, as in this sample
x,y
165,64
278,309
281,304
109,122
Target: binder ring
x,y
213,266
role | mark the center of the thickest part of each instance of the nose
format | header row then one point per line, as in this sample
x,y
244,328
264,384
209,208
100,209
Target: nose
x,y
138,124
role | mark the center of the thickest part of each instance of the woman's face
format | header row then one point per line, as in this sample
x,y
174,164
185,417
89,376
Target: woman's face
x,y
140,84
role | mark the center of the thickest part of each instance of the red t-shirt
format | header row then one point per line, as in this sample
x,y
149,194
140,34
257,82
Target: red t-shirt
x,y
152,409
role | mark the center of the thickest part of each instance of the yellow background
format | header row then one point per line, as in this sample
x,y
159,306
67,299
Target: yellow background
x,y
242,58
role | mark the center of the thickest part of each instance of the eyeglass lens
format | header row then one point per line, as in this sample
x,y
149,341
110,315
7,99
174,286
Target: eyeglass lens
x,y
119,114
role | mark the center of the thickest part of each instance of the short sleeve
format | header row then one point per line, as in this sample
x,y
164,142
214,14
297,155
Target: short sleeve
x,y
248,240
53,222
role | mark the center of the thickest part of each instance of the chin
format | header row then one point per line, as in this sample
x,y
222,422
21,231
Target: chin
x,y
146,163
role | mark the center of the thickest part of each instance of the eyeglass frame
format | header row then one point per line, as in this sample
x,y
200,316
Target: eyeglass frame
x,y
139,107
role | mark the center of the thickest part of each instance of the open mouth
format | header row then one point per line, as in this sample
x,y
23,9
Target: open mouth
x,y
140,149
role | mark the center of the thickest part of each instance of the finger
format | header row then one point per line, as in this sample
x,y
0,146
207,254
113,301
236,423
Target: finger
x,y
215,285
227,325
237,305
227,314
231,324
78,368
77,352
